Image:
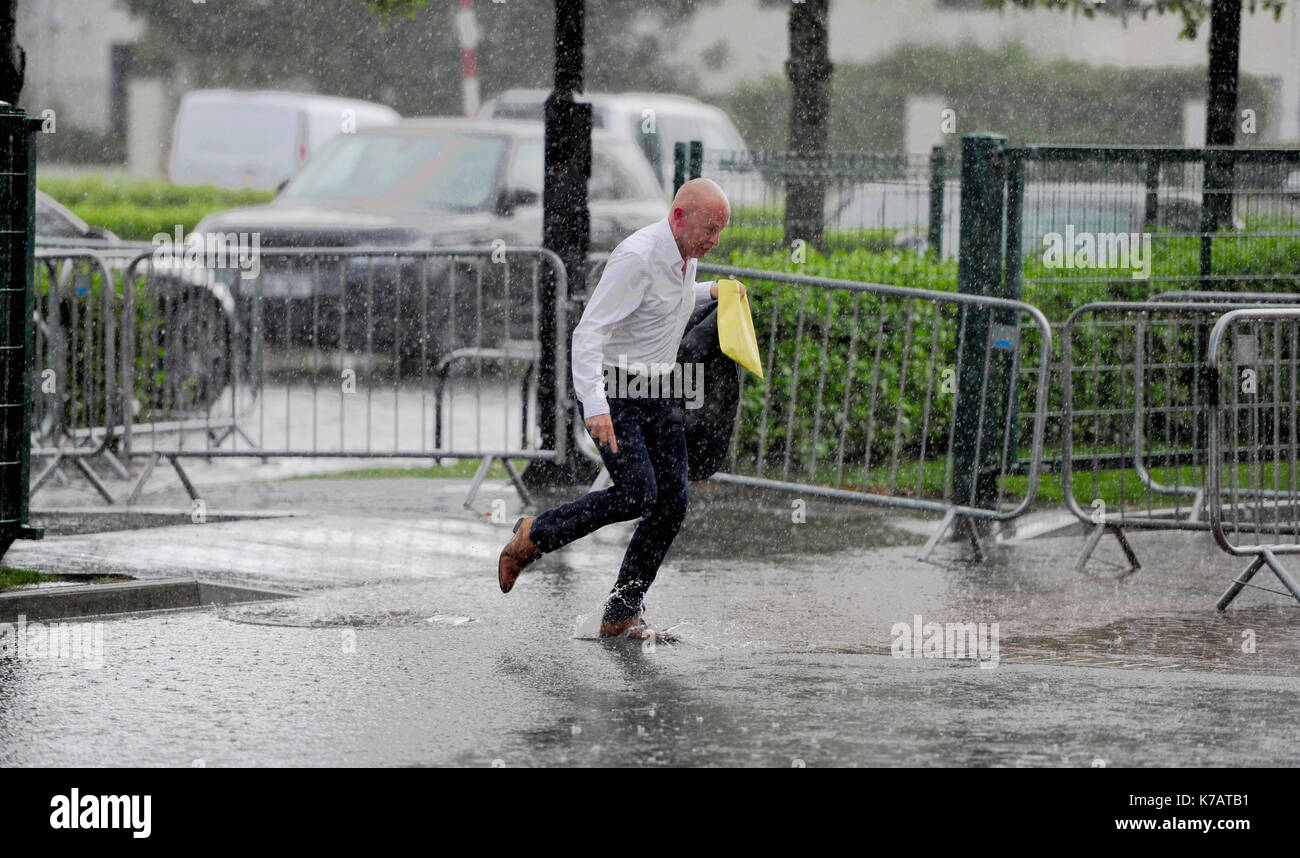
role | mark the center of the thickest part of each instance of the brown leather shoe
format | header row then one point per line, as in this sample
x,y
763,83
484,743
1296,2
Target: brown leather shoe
x,y
636,628
630,626
518,553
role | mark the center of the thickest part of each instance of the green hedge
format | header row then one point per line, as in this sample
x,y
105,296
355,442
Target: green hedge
x,y
828,318
817,407
138,209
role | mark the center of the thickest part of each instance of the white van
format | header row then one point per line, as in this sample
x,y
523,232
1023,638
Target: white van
x,y
654,121
259,139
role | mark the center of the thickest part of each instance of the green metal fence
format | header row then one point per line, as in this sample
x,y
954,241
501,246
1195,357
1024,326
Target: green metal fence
x,y
1091,223
17,220
890,215
1079,224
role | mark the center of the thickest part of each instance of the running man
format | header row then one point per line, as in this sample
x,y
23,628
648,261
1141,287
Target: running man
x,y
635,318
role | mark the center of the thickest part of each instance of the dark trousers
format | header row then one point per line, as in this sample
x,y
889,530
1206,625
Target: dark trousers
x,y
650,483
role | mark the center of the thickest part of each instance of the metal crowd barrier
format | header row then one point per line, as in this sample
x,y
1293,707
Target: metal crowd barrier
x,y
862,391
1253,480
340,353
1134,405
75,364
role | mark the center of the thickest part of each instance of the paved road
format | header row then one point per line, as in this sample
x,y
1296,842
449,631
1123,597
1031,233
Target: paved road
x,y
401,650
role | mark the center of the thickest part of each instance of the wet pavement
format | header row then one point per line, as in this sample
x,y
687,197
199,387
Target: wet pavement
x,y
402,651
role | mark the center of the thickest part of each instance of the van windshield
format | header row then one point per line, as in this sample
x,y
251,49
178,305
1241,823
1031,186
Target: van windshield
x,y
440,170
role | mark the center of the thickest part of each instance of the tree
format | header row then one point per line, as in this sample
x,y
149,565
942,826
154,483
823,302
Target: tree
x,y
12,59
1222,73
809,69
1224,43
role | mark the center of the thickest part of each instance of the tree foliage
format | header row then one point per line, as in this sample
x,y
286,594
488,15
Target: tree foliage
x,y
404,52
1194,13
1004,90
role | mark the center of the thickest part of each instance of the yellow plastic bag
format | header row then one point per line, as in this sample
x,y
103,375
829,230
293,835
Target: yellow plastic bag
x,y
736,327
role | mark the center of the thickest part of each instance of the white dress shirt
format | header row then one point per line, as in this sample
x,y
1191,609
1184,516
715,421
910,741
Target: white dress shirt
x,y
637,313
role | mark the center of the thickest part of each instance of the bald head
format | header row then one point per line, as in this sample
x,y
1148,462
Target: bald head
x,y
700,213
701,192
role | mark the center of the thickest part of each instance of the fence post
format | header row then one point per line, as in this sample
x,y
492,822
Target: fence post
x,y
983,379
17,242
1151,213
938,166
684,169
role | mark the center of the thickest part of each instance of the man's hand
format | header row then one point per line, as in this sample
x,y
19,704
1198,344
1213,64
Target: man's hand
x,y
601,429
713,291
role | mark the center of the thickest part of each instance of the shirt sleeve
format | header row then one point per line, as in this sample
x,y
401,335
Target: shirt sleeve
x,y
702,291
621,289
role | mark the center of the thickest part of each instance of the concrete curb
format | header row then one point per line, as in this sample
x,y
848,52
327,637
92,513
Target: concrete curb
x,y
125,598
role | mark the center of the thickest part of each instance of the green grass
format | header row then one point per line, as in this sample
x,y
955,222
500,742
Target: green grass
x,y
98,190
460,470
11,578
1117,488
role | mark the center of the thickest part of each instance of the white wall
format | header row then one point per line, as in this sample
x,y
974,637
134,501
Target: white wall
x,y
865,30
69,64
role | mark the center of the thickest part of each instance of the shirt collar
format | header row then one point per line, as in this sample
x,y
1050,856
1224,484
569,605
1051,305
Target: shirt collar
x,y
667,245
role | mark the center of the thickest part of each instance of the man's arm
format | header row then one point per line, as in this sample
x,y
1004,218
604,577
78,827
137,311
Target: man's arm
x,y
620,291
705,291
708,291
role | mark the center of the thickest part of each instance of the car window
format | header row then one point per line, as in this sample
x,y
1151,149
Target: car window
x,y
50,222
445,171
716,136
527,166
609,180
674,130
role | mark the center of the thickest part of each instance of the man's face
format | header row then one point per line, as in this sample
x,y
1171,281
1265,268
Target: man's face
x,y
700,227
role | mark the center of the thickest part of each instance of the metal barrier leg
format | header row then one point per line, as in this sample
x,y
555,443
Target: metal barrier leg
x,y
144,478
972,536
518,481
1265,557
45,474
1281,573
479,476
1089,546
1237,585
94,480
1198,505
185,479
963,527
937,535
1134,565
1081,565
232,429
116,464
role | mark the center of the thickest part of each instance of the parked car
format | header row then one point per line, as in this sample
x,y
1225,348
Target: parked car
x,y
1048,207
187,317
655,122
421,184
259,139
56,221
